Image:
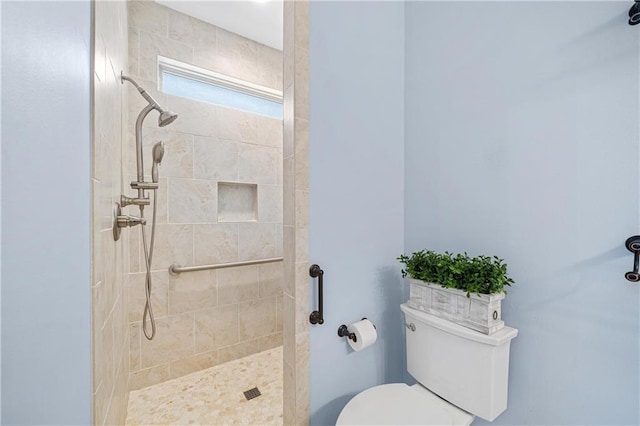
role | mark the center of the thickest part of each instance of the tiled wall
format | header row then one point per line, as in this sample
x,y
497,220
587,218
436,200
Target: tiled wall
x,y
296,213
110,258
209,317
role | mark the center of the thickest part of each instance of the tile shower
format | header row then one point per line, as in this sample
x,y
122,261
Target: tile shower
x,y
220,201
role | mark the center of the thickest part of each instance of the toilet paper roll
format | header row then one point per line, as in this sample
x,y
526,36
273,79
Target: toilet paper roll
x,y
365,332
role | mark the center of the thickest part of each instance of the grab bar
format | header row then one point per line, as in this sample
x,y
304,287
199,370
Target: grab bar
x,y
316,317
176,269
633,245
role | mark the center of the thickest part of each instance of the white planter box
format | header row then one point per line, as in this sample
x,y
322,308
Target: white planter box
x,y
480,312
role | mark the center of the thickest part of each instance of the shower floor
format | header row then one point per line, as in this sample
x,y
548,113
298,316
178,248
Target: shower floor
x,y
215,396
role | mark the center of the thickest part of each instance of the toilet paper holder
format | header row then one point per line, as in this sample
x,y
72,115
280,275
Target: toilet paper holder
x,y
343,331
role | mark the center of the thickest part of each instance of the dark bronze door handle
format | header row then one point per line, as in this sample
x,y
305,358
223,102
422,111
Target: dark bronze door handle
x,y
316,316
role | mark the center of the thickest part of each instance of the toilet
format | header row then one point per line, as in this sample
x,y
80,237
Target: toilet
x,y
461,374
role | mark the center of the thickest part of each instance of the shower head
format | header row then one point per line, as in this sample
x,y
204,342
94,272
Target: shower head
x,y
157,153
166,118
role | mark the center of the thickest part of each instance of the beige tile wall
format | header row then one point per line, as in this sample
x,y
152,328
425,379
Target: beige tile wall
x,y
296,213
209,317
110,263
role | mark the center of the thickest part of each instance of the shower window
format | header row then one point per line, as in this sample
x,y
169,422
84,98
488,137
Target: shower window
x,y
188,81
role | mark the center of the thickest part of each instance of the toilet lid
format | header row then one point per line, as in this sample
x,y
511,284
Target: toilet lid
x,y
399,404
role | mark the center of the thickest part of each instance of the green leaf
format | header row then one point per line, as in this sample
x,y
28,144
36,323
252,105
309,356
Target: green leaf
x,y
479,275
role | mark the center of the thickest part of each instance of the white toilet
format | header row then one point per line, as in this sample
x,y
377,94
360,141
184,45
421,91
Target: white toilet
x,y
461,373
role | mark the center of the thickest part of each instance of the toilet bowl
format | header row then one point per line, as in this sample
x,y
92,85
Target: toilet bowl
x,y
461,374
400,404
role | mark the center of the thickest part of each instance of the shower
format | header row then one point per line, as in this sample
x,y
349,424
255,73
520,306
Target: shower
x,y
157,153
190,303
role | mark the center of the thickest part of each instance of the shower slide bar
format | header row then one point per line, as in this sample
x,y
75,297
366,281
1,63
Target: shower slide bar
x,y
176,269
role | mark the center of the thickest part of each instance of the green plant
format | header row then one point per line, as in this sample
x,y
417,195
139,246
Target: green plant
x,y
480,275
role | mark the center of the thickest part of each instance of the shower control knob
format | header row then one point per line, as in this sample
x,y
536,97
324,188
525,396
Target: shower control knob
x,y
123,221
128,221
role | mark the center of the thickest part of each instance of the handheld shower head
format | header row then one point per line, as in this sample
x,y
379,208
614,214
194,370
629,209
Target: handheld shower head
x,y
166,118
157,153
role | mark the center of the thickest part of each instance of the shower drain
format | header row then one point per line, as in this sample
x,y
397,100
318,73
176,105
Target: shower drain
x,y
252,393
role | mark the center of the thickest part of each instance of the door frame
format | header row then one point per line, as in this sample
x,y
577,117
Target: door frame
x,y
296,213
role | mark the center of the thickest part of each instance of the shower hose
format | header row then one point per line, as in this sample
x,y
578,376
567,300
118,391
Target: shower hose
x,y
148,255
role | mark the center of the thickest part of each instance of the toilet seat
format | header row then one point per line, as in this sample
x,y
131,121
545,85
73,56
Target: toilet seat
x,y
400,404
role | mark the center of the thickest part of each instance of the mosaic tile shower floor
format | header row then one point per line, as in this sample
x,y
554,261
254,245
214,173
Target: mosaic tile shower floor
x,y
215,396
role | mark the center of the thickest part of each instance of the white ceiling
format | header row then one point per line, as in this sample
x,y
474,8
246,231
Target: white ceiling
x,y
259,20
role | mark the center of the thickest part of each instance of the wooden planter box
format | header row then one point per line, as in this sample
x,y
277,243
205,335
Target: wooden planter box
x,y
480,312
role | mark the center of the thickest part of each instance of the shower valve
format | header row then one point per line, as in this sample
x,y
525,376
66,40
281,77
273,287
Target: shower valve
x,y
123,221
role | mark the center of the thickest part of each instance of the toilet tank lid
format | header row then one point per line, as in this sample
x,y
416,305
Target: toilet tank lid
x,y
498,338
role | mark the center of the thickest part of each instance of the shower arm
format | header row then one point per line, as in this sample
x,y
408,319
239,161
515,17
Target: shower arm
x,y
143,92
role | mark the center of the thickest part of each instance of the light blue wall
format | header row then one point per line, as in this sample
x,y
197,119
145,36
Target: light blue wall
x,y
356,198
46,226
522,141
0,214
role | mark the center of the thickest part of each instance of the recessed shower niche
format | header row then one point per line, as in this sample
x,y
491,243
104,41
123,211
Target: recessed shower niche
x,y
237,202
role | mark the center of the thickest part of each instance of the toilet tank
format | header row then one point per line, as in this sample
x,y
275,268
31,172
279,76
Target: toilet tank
x,y
467,368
